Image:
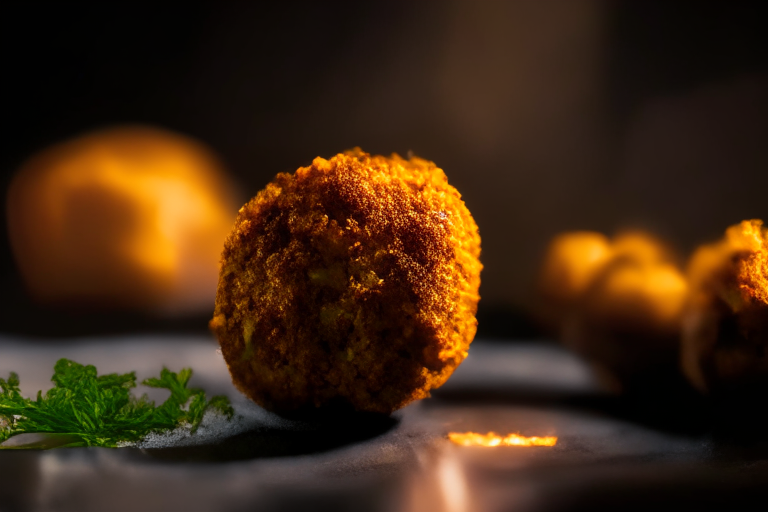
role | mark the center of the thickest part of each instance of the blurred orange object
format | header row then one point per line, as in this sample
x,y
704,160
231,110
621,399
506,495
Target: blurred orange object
x,y
128,217
632,276
572,262
618,303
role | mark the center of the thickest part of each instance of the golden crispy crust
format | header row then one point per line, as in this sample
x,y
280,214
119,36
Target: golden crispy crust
x,y
725,335
351,282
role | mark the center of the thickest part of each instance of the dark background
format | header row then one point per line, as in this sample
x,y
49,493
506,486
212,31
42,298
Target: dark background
x,y
547,116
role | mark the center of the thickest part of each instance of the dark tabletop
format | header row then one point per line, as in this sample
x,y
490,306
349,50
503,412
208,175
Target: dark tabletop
x,y
612,453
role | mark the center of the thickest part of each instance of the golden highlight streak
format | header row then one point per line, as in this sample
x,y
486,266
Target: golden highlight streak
x,y
492,439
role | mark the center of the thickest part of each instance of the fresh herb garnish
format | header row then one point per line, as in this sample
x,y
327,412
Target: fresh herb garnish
x,y
99,410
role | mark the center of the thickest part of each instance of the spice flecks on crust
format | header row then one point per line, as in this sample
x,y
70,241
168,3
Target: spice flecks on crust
x,y
352,281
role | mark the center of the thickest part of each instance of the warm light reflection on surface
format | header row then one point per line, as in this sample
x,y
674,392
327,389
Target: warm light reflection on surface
x,y
492,439
131,217
440,485
453,485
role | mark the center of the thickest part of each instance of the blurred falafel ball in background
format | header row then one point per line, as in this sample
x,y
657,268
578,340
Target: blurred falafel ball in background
x,y
725,334
127,218
350,284
571,262
618,303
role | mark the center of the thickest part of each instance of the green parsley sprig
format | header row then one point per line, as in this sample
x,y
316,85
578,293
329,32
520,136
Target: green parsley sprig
x,y
99,410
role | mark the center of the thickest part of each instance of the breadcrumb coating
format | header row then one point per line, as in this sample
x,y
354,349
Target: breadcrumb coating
x,y
352,282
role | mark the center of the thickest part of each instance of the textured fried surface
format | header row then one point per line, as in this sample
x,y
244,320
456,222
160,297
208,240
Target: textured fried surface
x,y
725,341
352,282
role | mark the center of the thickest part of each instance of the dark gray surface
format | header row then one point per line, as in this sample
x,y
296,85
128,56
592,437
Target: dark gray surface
x,y
608,456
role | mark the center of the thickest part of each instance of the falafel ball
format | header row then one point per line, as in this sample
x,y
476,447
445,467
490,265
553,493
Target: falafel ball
x,y
351,283
127,217
725,333
619,304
